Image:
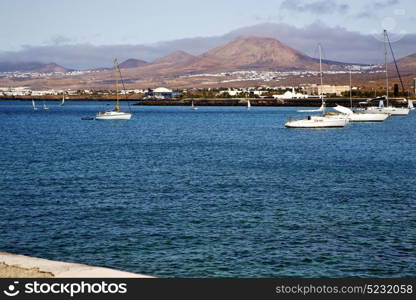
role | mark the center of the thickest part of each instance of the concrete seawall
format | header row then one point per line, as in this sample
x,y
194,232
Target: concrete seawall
x,y
260,102
312,102
22,266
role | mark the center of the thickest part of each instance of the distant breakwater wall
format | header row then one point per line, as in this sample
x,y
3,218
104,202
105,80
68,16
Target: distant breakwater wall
x,y
68,98
330,102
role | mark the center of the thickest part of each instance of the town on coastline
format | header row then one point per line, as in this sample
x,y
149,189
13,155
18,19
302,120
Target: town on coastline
x,y
302,95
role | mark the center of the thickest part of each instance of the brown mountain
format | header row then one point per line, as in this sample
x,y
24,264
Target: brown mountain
x,y
31,67
241,54
52,67
176,58
169,64
253,54
406,64
132,63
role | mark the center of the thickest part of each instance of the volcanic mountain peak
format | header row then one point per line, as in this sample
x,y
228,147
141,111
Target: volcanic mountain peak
x,y
259,53
407,63
175,58
52,67
253,53
132,63
31,67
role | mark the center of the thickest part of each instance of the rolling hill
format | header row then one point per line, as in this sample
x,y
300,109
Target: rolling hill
x,y
132,63
407,63
31,67
241,54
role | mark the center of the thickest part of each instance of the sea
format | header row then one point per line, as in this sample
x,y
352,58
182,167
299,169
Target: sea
x,y
213,192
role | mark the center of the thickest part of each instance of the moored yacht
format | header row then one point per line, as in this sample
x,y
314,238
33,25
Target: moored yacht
x,y
391,110
354,116
326,120
115,114
361,116
318,122
388,109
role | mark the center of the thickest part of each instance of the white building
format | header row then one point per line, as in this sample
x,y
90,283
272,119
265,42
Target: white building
x,y
291,95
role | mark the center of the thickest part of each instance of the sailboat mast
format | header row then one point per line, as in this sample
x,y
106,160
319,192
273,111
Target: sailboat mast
x,y
116,75
385,63
320,70
350,89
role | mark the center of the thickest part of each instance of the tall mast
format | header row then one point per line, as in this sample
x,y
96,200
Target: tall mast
x,y
385,63
350,89
320,70
116,75
395,64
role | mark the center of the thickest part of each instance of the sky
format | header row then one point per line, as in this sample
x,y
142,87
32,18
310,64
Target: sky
x,y
103,22
87,33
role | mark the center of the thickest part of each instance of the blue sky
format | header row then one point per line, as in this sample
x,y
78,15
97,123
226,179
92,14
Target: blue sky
x,y
103,22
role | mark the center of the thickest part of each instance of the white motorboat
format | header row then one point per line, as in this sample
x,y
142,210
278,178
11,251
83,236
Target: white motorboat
x,y
115,114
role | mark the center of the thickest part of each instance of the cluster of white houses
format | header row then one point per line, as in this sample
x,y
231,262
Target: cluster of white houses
x,y
300,92
306,91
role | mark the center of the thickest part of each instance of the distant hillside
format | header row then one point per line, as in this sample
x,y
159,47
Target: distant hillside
x,y
407,63
173,63
241,54
31,67
52,67
175,58
259,53
132,63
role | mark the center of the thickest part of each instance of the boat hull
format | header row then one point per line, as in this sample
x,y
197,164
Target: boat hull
x,y
393,111
113,115
317,122
363,117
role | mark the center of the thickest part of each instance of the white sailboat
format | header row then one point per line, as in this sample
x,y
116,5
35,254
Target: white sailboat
x,y
359,116
115,114
62,101
193,106
248,104
316,121
410,104
389,109
45,107
34,105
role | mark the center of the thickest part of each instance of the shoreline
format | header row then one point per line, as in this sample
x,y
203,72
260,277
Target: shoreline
x,y
267,102
22,266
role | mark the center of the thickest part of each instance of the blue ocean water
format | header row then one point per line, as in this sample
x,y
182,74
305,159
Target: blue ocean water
x,y
217,192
